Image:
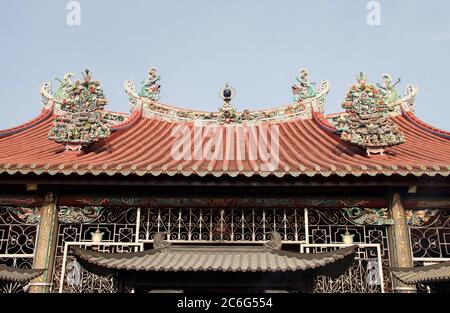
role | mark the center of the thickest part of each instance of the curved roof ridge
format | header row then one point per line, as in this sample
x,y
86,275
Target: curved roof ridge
x,y
43,116
323,122
410,116
20,275
132,119
154,108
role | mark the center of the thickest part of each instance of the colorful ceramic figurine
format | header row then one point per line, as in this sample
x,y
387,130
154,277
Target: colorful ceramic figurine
x,y
150,88
304,89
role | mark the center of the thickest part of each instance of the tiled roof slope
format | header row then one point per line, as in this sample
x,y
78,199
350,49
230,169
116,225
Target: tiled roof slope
x,y
213,258
142,146
424,274
21,275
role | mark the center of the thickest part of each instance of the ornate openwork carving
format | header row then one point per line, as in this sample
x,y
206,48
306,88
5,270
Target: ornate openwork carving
x,y
367,123
228,225
82,122
327,226
79,280
77,224
430,233
18,232
362,276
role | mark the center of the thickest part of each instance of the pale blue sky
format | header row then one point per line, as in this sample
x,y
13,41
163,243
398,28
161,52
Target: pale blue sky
x,y
198,45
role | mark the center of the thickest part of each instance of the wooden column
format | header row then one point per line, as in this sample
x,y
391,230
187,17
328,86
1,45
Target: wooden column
x,y
46,245
400,244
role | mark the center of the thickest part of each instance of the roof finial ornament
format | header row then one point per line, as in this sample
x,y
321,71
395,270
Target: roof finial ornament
x,y
304,88
82,122
227,93
227,112
150,87
367,124
275,241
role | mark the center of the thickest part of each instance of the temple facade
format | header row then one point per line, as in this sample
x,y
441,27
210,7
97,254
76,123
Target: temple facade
x,y
169,199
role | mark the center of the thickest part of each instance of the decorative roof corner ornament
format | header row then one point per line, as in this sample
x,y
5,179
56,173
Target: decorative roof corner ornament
x,y
367,124
159,242
309,95
409,97
303,89
388,89
275,241
130,90
82,120
46,95
150,88
227,113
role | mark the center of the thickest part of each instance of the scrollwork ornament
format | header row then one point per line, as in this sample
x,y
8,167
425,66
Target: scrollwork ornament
x,y
368,216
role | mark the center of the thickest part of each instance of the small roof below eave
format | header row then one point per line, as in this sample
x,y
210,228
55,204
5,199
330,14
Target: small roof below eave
x,y
424,274
11,274
218,258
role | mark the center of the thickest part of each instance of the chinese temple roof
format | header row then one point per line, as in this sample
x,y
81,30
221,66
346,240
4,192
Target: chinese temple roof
x,y
142,142
184,258
21,275
424,274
